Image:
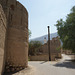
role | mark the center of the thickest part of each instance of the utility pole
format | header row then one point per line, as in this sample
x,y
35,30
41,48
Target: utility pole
x,y
49,44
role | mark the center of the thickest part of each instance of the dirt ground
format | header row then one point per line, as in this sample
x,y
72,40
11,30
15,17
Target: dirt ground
x,y
62,67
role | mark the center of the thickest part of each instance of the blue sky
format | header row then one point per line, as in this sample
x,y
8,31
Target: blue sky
x,y
46,12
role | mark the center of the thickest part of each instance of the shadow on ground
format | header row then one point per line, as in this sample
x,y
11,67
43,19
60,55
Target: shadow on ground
x,y
67,64
43,62
72,60
11,73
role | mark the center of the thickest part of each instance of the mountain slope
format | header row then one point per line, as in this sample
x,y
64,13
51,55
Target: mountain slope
x,y
41,39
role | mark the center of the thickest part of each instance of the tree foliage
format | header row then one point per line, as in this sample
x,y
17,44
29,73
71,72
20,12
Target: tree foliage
x,y
29,33
33,45
66,30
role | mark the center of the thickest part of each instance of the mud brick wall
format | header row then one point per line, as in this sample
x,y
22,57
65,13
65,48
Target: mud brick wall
x,y
2,38
17,41
17,35
54,46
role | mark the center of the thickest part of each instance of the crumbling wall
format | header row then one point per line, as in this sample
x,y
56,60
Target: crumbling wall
x,y
54,46
2,38
55,50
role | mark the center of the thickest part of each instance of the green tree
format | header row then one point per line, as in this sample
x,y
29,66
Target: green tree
x,y
29,33
66,30
33,45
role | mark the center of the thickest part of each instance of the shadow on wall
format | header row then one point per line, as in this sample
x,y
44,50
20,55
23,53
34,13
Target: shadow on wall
x,y
11,73
67,64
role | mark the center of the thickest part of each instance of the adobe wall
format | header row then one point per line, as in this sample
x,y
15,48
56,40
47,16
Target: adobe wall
x,y
17,35
2,38
54,44
17,41
43,50
44,57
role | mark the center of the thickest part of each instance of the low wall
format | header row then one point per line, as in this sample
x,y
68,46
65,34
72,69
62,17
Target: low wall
x,y
44,57
39,58
2,38
66,51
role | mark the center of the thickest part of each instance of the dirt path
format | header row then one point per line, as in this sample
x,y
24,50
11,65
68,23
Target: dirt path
x,y
63,67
